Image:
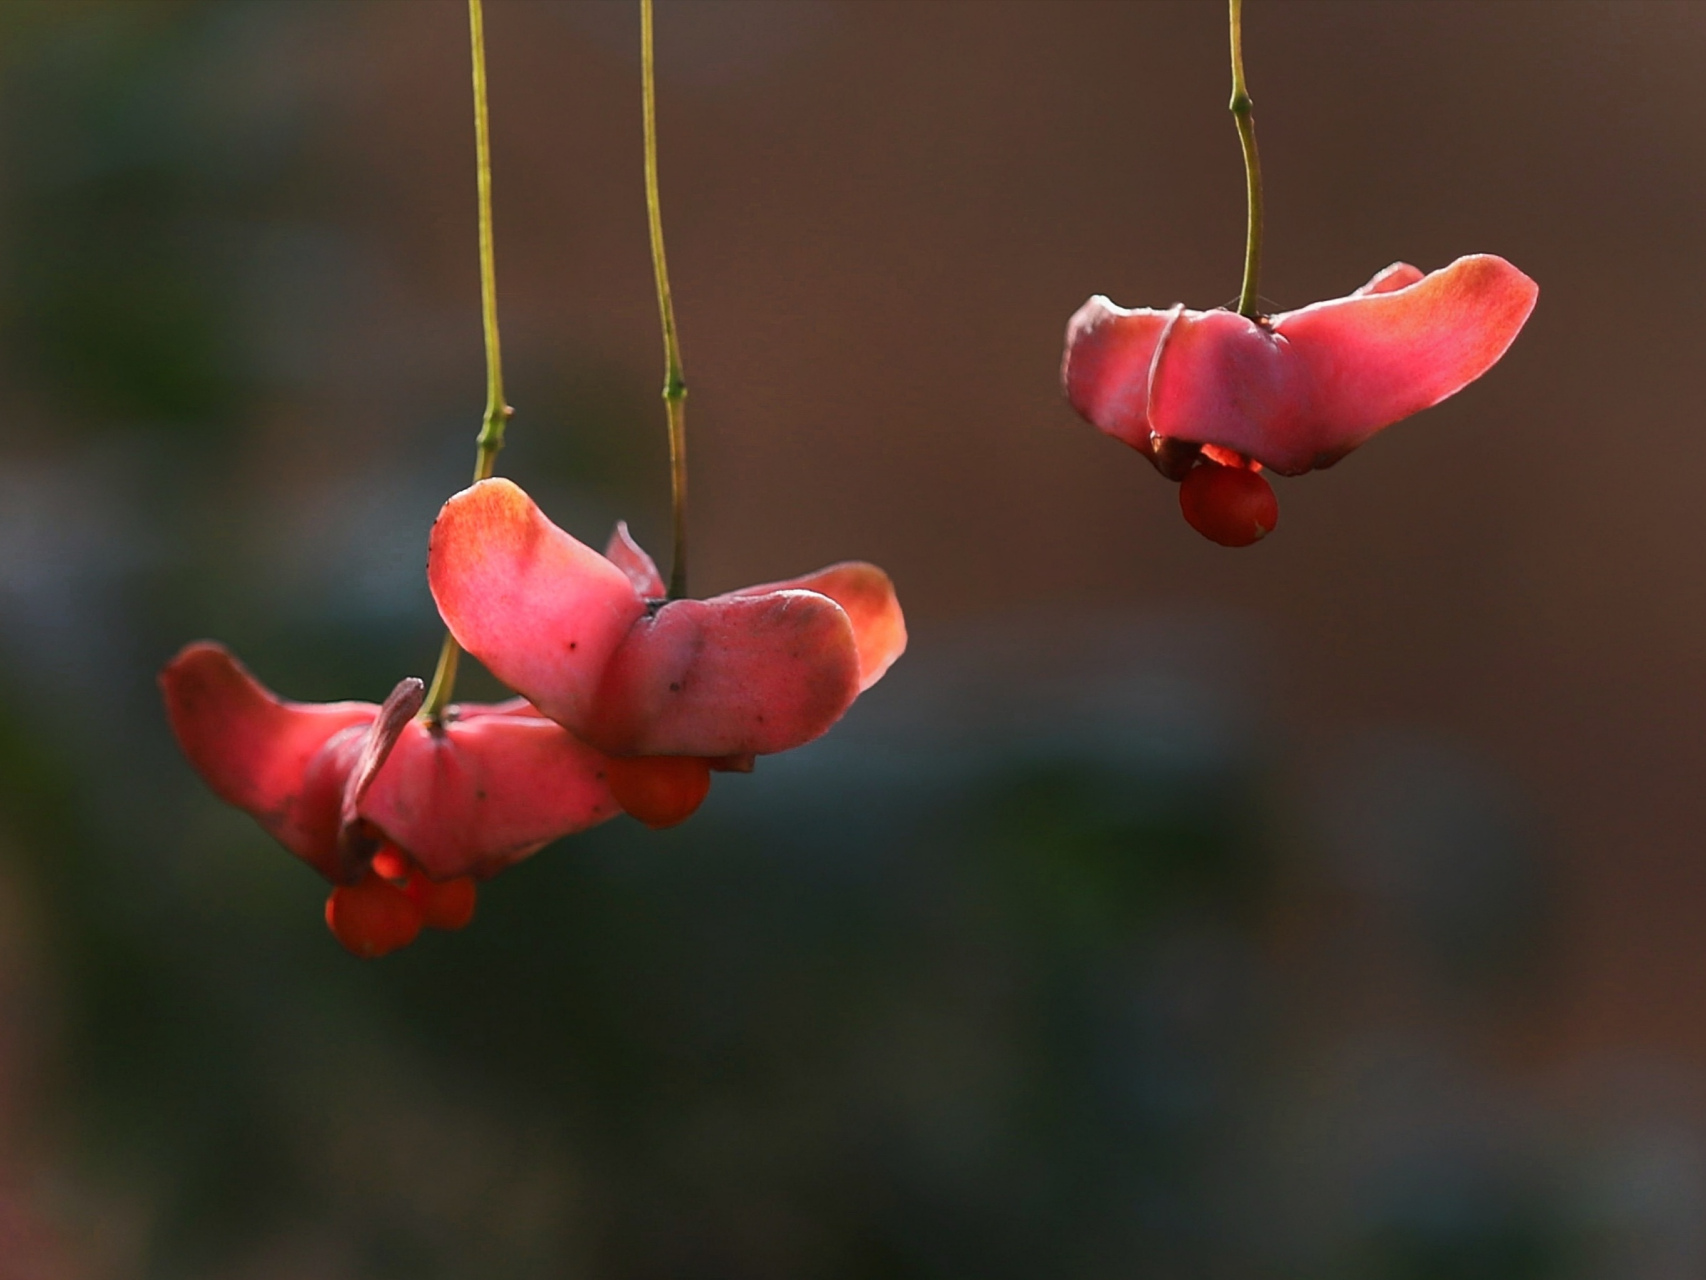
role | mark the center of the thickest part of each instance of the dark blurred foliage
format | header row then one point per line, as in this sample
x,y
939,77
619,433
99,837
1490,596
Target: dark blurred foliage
x,y
132,181
1038,966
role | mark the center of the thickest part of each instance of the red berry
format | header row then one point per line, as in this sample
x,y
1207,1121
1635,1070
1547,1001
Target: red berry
x,y
449,905
390,863
372,917
446,905
1228,505
659,790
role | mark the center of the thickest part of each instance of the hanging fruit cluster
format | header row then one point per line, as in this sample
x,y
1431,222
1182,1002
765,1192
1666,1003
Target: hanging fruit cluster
x,y
632,693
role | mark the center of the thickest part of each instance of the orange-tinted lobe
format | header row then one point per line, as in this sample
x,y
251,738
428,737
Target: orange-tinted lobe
x,y
659,790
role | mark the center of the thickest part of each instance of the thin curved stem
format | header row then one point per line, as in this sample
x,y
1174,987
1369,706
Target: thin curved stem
x,y
497,415
443,680
674,383
491,438
1242,109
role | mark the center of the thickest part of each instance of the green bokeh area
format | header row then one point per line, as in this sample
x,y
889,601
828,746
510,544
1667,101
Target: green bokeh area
x,y
889,1006
120,306
853,1019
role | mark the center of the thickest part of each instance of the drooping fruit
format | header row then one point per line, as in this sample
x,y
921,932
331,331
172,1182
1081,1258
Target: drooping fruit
x,y
1229,505
1297,390
659,790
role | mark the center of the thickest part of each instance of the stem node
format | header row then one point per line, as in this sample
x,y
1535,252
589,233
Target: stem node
x,y
674,382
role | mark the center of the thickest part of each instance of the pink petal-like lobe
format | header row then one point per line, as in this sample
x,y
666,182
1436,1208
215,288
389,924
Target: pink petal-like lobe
x,y
1397,276
333,782
1223,379
737,675
483,791
1379,358
541,609
254,749
630,557
867,595
1106,366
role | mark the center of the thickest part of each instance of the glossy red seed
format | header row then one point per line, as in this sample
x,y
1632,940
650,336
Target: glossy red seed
x,y
373,917
659,790
1228,505
449,905
390,863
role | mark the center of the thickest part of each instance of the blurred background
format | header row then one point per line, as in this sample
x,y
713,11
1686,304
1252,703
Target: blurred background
x,y
1326,909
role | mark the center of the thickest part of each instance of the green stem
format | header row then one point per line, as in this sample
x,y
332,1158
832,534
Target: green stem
x,y
674,384
443,680
1242,117
491,437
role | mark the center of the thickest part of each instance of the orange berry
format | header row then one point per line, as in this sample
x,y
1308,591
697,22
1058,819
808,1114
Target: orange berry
x,y
449,905
390,863
1228,505
372,917
659,790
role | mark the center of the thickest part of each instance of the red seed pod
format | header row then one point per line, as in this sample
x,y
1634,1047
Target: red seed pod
x,y
373,917
449,905
1228,505
659,790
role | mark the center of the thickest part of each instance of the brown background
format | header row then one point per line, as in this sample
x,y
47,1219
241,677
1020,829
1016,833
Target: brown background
x,y
880,216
